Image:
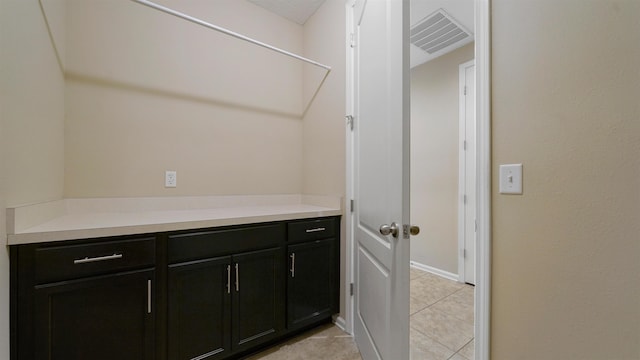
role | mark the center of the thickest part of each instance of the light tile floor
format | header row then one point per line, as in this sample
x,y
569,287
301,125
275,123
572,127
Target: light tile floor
x,y
441,318
441,327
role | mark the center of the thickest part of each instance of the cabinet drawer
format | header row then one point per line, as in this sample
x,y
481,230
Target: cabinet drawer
x,y
75,261
311,230
214,243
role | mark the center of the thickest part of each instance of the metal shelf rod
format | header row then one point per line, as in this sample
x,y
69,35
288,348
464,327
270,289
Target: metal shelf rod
x,y
227,32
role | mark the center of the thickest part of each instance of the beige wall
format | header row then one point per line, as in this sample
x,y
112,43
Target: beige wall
x,y
324,123
566,269
434,159
323,136
31,121
147,92
32,91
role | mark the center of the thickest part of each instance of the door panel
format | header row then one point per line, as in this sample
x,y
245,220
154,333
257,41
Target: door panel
x,y
102,318
199,307
374,278
381,177
258,297
311,284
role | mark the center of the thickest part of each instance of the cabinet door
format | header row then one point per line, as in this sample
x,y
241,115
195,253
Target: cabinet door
x,y
199,305
310,282
258,297
101,318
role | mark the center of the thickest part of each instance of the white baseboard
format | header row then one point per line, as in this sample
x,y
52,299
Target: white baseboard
x,y
340,322
435,271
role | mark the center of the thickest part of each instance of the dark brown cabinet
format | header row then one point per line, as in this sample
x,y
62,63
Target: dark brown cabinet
x,y
310,289
102,318
199,316
312,276
86,300
205,294
258,297
232,300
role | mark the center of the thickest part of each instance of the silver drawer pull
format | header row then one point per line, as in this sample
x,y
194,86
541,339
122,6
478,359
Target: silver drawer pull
x,y
148,296
316,230
96,259
293,265
237,278
228,279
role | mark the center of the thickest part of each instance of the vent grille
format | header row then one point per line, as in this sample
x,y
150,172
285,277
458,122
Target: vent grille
x,y
437,32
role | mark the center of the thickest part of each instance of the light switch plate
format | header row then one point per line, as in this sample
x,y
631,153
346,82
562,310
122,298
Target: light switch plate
x,y
511,179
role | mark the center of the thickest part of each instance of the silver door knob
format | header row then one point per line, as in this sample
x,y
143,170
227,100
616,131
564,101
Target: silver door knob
x,y
389,230
414,230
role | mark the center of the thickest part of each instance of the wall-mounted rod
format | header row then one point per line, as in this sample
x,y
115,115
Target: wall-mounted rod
x,y
228,32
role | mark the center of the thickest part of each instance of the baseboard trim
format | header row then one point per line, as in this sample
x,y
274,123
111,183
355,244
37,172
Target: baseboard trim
x,y
341,323
435,271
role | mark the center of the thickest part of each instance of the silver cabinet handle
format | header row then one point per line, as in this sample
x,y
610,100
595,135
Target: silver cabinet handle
x,y
237,279
228,279
148,296
96,259
293,264
315,230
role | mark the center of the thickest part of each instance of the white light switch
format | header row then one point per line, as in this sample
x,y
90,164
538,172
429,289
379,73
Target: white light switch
x,y
511,179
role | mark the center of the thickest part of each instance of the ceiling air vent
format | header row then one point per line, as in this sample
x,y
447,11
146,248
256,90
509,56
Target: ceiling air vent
x,y
437,31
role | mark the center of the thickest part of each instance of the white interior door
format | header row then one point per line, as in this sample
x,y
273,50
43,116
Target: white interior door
x,y
381,177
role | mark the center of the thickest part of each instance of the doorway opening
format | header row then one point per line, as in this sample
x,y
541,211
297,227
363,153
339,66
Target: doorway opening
x,y
451,271
442,181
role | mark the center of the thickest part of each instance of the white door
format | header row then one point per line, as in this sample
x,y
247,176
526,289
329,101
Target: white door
x,y
468,168
381,178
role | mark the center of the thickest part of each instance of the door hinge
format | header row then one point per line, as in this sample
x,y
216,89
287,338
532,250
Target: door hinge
x,y
352,40
475,225
352,205
464,253
351,289
464,198
350,121
464,145
465,90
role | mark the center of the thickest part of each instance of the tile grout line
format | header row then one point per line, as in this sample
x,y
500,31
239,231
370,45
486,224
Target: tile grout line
x,y
458,352
459,290
436,341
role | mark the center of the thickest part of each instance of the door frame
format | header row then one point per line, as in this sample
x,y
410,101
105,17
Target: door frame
x,y
482,305
462,172
483,183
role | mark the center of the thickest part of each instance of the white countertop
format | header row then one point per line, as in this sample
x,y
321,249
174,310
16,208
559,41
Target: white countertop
x,y
90,218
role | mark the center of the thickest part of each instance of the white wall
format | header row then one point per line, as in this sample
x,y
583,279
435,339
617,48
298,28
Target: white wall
x,y
565,269
434,159
31,121
147,92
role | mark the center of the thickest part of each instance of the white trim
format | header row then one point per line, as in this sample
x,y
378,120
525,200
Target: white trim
x,y
483,180
462,170
349,271
340,323
434,271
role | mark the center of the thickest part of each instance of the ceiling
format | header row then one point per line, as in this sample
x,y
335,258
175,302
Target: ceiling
x,y
461,10
297,11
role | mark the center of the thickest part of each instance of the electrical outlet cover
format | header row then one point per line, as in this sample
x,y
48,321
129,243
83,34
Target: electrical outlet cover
x,y
170,179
